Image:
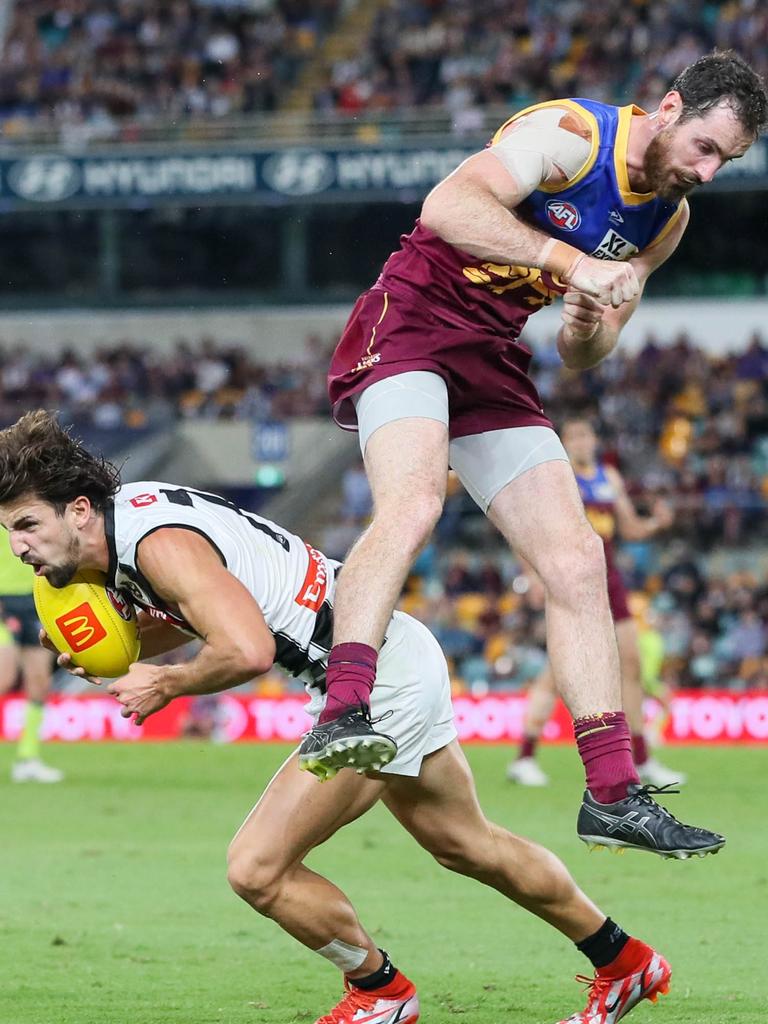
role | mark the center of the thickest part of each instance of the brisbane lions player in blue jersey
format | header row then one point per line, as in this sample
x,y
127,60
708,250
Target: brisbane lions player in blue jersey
x,y
574,198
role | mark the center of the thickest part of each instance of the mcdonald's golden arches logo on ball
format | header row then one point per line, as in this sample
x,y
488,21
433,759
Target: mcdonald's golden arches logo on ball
x,y
98,629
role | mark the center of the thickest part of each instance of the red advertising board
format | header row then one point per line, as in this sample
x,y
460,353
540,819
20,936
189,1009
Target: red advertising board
x,y
712,717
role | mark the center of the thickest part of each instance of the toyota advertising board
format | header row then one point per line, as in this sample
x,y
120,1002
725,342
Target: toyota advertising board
x,y
710,717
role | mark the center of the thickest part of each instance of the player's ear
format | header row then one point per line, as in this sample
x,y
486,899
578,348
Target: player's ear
x,y
80,509
670,109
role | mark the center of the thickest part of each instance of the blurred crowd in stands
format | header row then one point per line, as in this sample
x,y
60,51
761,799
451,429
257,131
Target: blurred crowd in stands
x,y
702,598
85,64
92,64
121,385
679,423
463,56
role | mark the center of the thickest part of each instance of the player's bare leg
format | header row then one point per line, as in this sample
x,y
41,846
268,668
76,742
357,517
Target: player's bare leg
x,y
542,517
648,768
542,697
35,664
440,809
294,815
407,465
9,666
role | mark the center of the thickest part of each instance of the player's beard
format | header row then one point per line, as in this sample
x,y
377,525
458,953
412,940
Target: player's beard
x,y
660,173
60,575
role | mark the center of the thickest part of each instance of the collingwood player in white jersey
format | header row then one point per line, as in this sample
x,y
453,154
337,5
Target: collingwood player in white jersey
x,y
255,594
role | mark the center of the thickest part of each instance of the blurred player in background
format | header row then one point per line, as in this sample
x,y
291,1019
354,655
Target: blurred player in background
x,y
23,659
255,595
609,511
575,197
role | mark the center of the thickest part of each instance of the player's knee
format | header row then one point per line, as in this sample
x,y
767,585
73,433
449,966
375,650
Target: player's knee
x,y
255,880
454,854
578,564
412,518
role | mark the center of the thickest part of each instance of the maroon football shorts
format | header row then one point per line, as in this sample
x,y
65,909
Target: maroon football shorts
x,y
486,374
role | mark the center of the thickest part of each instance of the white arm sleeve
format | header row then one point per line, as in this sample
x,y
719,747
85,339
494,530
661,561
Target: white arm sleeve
x,y
538,146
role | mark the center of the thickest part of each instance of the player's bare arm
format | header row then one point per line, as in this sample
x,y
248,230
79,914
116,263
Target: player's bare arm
x,y
187,572
158,637
472,209
591,330
631,525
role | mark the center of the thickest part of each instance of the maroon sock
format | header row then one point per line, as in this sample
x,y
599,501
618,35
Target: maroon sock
x,y
349,679
605,747
639,748
528,747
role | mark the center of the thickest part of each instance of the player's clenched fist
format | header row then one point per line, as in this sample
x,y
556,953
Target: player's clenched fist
x,y
609,282
581,314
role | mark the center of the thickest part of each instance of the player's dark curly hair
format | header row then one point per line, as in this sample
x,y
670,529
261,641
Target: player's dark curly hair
x,y
39,457
723,75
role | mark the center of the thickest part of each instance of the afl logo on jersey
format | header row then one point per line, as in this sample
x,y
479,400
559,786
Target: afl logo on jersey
x,y
563,215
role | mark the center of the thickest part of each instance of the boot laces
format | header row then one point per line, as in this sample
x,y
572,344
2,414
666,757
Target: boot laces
x,y
647,793
596,986
355,999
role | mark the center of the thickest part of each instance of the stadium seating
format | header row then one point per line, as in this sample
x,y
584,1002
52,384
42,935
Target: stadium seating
x,y
464,57
93,63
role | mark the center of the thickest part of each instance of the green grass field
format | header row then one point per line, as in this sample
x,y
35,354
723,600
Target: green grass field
x,y
114,905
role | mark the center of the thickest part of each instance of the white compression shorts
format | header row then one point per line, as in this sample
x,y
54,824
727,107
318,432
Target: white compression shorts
x,y
485,463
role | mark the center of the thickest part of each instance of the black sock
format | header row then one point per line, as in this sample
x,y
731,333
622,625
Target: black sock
x,y
604,945
378,979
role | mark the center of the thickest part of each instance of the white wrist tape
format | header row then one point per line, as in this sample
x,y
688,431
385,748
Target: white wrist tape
x,y
345,957
534,147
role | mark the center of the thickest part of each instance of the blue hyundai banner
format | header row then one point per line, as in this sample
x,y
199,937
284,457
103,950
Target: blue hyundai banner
x,y
284,176
128,178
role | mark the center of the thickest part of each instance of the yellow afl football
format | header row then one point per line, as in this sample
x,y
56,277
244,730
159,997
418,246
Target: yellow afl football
x,y
90,621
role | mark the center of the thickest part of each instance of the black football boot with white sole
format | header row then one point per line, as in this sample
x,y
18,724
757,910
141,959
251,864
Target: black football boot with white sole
x,y
349,741
639,823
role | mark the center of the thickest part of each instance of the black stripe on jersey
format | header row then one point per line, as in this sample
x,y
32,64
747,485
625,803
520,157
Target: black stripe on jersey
x,y
183,496
290,655
181,526
109,535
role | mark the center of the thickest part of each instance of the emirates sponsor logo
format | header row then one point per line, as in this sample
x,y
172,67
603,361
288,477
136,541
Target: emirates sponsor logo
x,y
315,585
